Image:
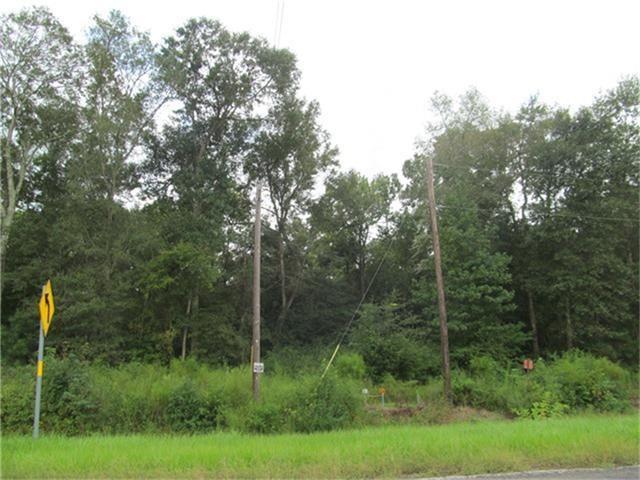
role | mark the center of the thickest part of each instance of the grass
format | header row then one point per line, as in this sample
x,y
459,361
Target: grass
x,y
463,448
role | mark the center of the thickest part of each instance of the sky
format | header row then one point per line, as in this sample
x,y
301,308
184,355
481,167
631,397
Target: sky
x,y
374,65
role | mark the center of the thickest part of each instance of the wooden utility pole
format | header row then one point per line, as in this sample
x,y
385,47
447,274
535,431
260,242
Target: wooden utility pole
x,y
255,341
444,331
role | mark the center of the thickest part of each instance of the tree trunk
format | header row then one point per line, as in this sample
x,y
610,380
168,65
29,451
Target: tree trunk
x,y
569,326
193,316
4,239
185,331
283,285
534,325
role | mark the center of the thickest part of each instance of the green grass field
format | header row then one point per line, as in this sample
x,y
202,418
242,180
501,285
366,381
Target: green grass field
x,y
463,448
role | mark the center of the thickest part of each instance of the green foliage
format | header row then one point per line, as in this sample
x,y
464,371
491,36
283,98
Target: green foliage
x,y
477,288
574,382
329,405
185,398
386,348
537,211
68,403
190,397
547,407
188,411
588,382
350,365
351,207
17,398
265,418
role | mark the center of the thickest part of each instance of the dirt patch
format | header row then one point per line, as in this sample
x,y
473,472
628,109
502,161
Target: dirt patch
x,y
432,413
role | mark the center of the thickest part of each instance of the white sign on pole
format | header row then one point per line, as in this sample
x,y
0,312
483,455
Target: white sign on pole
x,y
258,367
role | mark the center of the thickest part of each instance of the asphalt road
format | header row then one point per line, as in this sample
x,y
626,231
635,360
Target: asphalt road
x,y
619,473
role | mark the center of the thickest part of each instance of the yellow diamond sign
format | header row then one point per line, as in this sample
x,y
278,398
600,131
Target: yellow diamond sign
x,y
46,307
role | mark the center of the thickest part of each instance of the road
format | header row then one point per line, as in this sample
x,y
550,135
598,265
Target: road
x,y
619,473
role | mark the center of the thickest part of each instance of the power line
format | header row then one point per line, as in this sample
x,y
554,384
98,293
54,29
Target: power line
x,y
277,31
556,214
364,295
281,22
497,172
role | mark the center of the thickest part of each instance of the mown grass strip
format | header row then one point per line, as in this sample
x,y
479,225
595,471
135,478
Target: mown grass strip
x,y
593,441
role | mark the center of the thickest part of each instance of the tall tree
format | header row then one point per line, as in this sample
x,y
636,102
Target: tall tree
x,y
220,82
38,72
121,100
348,214
290,152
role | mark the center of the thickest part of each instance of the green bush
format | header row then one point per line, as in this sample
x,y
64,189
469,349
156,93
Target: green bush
x,y
189,397
574,382
588,382
547,407
17,399
189,411
69,405
351,365
388,350
265,418
326,405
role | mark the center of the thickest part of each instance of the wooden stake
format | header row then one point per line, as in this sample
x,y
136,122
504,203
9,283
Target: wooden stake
x,y
444,332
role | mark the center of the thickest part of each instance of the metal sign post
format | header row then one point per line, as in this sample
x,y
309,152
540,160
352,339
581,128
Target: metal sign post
x,y
46,308
36,415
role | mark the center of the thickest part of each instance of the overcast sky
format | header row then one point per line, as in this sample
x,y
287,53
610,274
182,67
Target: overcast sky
x,y
373,65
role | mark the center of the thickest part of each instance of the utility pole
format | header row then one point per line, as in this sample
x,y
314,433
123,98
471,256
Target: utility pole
x,y
442,308
255,342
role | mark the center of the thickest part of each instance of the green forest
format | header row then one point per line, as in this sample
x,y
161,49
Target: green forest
x,y
128,179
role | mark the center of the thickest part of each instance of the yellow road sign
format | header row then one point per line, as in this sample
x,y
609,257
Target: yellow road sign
x,y
46,307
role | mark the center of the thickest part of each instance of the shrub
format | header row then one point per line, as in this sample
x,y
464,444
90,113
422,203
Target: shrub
x,y
547,407
576,381
351,365
17,397
265,418
328,405
189,411
79,398
69,405
588,382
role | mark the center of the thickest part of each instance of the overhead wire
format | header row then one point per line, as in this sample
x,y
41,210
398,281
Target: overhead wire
x,y
360,303
497,172
277,30
556,214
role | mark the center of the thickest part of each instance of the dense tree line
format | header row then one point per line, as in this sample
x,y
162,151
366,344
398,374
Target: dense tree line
x,y
127,174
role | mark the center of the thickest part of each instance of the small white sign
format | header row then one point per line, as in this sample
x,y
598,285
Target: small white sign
x,y
365,391
258,367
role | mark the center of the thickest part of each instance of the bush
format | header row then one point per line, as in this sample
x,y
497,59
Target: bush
x,y
574,382
588,382
79,398
265,418
69,405
328,405
351,365
547,407
17,397
189,411
386,349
